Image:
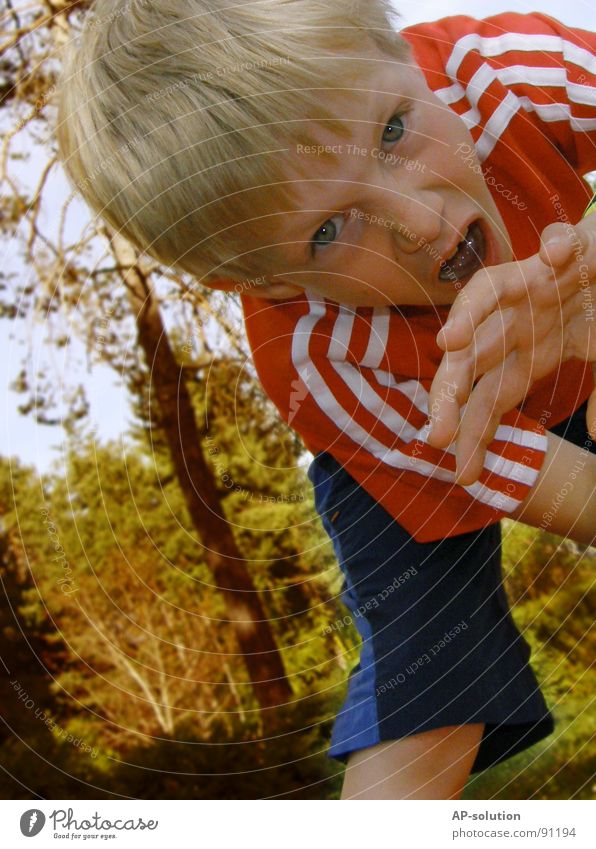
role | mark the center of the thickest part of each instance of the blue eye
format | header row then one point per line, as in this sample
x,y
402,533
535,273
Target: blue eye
x,y
394,130
328,233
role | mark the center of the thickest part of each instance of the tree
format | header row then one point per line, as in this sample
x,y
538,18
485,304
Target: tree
x,y
147,672
29,648
59,284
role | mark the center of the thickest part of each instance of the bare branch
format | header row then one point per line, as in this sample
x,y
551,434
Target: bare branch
x,y
35,207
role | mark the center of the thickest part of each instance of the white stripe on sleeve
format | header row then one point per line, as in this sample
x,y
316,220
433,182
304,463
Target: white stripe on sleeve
x,y
342,331
377,340
395,458
521,42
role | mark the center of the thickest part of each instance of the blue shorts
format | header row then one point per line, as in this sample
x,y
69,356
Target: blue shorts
x,y
439,645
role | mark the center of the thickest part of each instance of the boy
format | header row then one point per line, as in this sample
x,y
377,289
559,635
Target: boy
x,y
305,154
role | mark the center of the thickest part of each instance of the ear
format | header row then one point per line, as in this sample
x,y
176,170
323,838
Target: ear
x,y
258,287
279,291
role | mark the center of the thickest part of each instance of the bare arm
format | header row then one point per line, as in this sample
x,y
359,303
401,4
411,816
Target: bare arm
x,y
563,500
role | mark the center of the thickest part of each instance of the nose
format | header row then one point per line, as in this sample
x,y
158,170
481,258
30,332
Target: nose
x,y
416,216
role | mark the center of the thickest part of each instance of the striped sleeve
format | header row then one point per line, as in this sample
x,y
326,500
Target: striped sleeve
x,y
348,400
511,65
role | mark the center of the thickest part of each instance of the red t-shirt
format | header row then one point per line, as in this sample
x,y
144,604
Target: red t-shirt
x,y
354,382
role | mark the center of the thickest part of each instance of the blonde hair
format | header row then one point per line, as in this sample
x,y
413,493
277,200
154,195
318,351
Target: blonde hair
x,y
170,114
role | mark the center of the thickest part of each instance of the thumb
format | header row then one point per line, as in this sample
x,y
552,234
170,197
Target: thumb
x,y
556,245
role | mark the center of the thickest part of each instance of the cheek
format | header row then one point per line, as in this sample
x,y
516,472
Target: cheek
x,y
466,174
377,246
453,154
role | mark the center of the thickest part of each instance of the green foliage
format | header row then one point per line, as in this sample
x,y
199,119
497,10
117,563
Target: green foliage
x,y
536,563
281,756
149,672
268,501
113,528
558,623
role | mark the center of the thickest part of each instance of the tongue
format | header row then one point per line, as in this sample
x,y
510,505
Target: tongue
x,y
469,256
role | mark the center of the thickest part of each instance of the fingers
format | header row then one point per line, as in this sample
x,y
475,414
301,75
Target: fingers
x,y
450,389
565,264
572,246
579,314
489,290
492,343
556,245
497,392
472,305
471,449
495,339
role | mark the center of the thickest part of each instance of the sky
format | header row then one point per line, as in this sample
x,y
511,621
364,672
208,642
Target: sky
x,y
579,13
41,446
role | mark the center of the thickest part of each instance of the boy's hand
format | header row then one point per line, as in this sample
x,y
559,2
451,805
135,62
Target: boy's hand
x,y
511,325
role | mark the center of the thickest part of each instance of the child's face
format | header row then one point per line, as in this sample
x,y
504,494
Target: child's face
x,y
379,214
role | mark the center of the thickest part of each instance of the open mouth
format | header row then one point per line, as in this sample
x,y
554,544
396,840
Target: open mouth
x,y
468,256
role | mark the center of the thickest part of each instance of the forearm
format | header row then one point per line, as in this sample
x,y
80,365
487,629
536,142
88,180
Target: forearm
x,y
563,500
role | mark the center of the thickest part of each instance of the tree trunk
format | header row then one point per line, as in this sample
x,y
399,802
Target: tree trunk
x,y
178,423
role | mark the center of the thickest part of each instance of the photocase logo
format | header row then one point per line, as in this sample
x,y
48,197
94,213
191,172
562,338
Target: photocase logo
x,y
32,822
299,388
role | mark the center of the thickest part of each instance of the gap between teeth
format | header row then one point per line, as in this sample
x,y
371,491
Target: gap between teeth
x,y
465,241
455,252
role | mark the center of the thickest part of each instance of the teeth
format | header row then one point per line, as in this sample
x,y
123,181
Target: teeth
x,y
457,247
467,257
